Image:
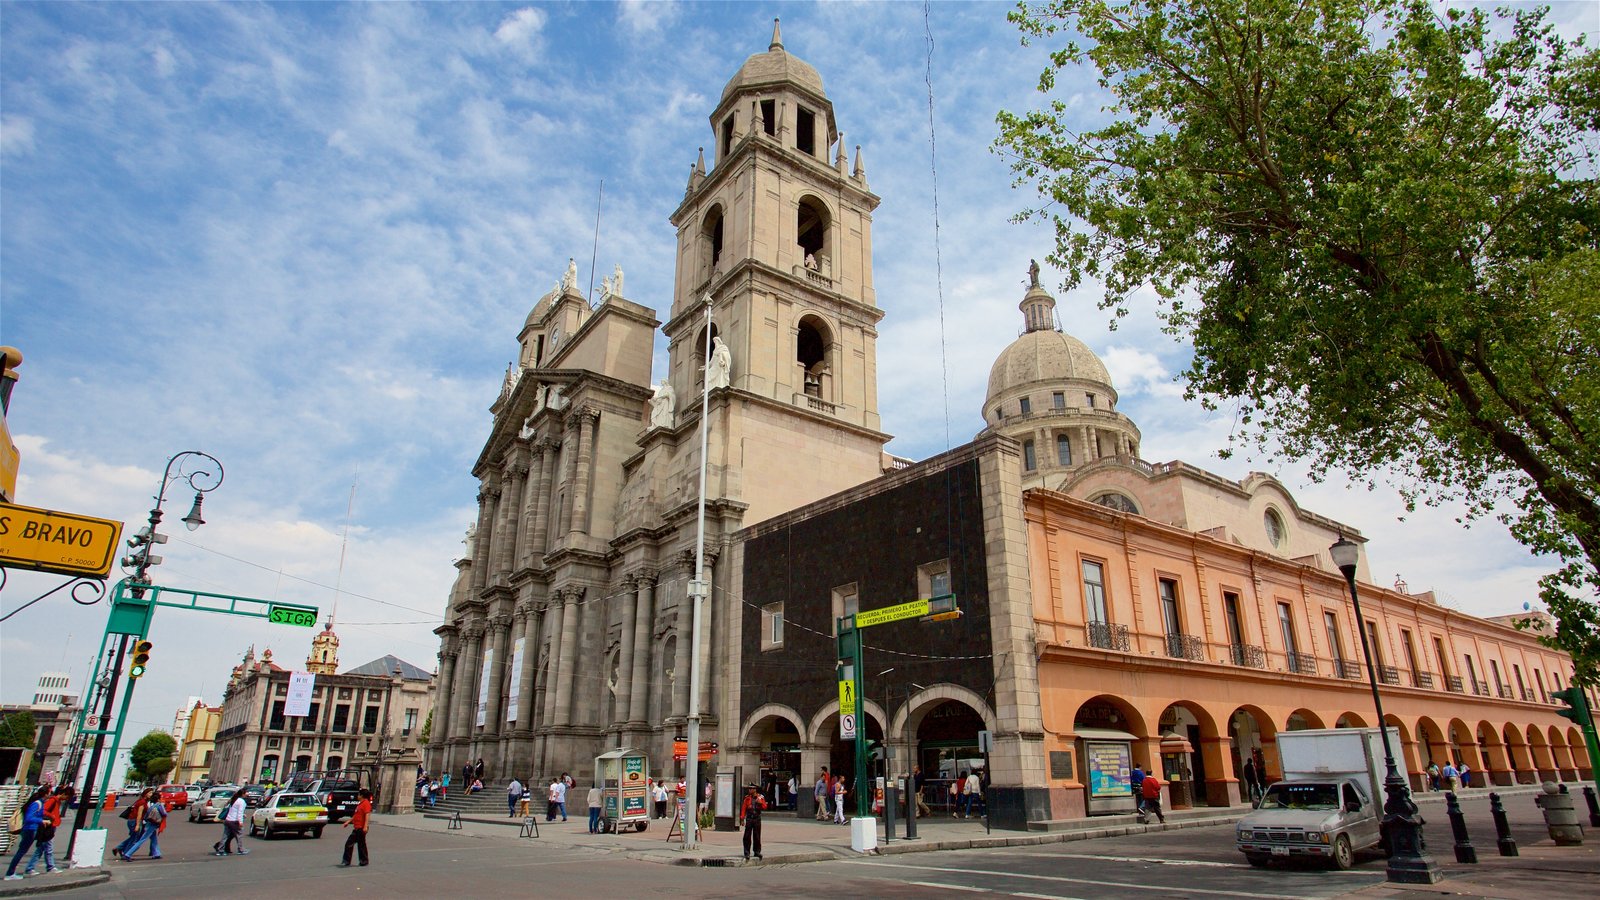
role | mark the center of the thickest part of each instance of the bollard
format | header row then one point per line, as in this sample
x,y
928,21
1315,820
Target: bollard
x,y
1560,816
912,796
1502,828
1458,824
1594,808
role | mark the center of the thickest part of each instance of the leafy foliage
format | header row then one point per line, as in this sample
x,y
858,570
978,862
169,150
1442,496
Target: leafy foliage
x,y
158,768
1378,223
157,745
18,729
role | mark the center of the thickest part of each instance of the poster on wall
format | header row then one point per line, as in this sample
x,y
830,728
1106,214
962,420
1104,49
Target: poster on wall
x,y
301,684
514,693
1108,765
483,686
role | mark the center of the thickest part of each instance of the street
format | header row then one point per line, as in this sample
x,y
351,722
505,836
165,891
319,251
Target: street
x,y
414,857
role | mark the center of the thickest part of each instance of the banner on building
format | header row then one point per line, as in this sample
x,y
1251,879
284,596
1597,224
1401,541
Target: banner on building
x,y
301,684
483,686
514,693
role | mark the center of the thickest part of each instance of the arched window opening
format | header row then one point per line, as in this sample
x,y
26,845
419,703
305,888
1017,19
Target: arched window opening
x,y
700,342
811,352
812,228
711,234
1063,451
1117,501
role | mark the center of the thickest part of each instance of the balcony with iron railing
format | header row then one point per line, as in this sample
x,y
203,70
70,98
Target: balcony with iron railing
x,y
1389,675
1107,636
1452,683
1345,668
1185,646
1527,695
1302,663
1481,688
1422,679
1504,690
1248,655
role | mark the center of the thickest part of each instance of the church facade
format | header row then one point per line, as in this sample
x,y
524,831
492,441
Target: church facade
x,y
1114,611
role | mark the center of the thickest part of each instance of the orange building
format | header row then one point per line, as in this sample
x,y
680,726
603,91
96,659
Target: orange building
x,y
1199,650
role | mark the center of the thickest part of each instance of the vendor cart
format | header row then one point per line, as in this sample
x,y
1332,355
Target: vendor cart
x,y
624,797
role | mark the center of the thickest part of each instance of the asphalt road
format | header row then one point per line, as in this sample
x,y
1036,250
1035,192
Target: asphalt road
x,y
492,862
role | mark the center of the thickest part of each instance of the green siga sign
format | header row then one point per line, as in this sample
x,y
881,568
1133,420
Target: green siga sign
x,y
292,615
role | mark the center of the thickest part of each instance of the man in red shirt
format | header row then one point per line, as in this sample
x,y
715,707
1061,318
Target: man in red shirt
x,y
750,810
358,829
1151,788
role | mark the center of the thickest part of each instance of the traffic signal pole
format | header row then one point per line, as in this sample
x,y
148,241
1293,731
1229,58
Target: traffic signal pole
x,y
84,800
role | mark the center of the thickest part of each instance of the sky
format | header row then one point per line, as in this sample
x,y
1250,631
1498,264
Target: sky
x,y
302,238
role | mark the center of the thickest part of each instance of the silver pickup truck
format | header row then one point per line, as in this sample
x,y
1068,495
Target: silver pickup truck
x,y
1328,805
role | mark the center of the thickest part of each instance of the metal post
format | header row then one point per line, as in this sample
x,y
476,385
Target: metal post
x,y
913,795
1502,828
697,593
1594,808
1409,862
85,800
862,781
1465,853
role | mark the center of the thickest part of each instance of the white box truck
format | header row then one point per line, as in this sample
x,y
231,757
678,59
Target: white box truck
x,y
1330,802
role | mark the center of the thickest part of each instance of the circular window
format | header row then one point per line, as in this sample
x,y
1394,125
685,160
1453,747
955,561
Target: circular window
x,y
1274,525
1117,501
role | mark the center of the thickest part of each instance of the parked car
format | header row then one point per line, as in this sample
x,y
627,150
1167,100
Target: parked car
x,y
286,812
174,796
212,803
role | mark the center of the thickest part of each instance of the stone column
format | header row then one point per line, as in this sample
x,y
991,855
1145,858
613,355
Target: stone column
x,y
630,611
553,612
570,614
497,522
511,502
532,490
680,663
707,616
499,635
639,680
444,696
588,427
464,693
541,511
528,619
569,463
480,543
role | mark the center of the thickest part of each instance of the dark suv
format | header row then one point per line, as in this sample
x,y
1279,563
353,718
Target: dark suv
x,y
339,793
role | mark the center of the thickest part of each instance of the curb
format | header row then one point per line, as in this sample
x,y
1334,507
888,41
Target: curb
x,y
41,886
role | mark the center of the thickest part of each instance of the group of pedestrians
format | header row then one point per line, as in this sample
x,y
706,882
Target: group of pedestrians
x,y
1147,795
146,819
1449,778
829,791
431,790
41,816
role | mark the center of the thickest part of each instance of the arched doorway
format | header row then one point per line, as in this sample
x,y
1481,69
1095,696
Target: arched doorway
x,y
1496,767
773,733
1562,755
1301,720
1521,763
1543,763
1350,720
947,747
1435,749
1191,758
1250,732
1466,745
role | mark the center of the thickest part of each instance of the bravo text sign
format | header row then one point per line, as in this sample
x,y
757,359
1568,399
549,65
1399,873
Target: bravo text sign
x,y
57,542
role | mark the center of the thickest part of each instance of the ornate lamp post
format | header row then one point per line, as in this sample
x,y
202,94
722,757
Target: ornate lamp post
x,y
1409,862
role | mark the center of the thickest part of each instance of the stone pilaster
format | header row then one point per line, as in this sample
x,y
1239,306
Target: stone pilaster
x,y
511,518
499,639
571,611
532,490
553,611
541,511
644,584
465,690
528,619
588,427
444,695
480,544
569,458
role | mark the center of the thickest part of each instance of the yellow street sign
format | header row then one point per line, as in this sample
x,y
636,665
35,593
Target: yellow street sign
x,y
59,542
847,698
869,617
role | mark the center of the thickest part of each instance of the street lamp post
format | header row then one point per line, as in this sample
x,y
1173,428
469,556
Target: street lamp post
x,y
204,474
1409,862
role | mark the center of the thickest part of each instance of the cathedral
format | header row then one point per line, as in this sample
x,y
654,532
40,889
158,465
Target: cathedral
x,y
1114,611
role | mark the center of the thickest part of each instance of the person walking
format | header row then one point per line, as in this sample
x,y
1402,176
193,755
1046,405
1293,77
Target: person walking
x,y
513,797
134,816
44,841
1450,774
794,791
1433,776
444,786
1251,786
232,826
558,801
358,826
838,801
819,793
593,800
1466,775
1150,789
918,779
658,793
155,821
477,770
971,793
32,819
750,810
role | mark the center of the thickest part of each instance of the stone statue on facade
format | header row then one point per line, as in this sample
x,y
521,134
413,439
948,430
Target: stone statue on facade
x,y
663,405
605,289
569,281
721,366
471,539
512,375
616,281
1033,273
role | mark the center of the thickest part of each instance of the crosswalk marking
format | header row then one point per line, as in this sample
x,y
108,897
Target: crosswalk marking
x,y
1090,881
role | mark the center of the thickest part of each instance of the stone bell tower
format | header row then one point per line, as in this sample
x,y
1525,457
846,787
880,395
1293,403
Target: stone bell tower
x,y
778,233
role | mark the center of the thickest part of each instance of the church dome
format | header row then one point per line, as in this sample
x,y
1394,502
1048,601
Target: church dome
x,y
1043,354
775,66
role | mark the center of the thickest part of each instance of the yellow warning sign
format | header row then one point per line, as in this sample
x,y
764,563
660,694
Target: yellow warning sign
x,y
847,698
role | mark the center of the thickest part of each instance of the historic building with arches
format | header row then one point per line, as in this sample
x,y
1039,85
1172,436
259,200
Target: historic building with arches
x,y
1179,618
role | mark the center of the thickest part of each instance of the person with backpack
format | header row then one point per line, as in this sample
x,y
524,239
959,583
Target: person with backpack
x,y
155,821
134,816
26,830
1150,788
44,841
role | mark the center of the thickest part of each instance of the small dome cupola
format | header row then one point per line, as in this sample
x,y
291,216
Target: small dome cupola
x,y
1038,307
324,658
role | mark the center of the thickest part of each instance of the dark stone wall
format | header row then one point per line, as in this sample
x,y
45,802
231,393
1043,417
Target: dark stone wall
x,y
877,542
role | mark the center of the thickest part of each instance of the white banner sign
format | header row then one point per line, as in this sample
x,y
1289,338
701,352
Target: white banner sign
x,y
483,686
515,692
301,685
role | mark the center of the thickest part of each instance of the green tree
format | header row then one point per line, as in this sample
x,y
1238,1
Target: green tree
x,y
427,729
18,729
157,745
1377,221
158,768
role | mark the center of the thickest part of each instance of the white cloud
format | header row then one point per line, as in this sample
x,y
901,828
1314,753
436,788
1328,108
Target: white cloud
x,y
646,17
16,135
1135,371
521,28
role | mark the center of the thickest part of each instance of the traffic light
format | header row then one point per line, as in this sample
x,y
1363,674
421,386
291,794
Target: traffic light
x,y
141,659
1577,706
